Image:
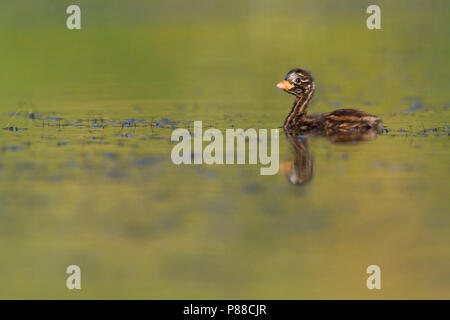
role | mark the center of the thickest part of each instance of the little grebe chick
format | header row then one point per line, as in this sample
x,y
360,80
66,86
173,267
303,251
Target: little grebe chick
x,y
301,84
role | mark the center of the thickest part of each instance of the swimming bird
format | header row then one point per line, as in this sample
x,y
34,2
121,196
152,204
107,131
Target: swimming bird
x,y
300,83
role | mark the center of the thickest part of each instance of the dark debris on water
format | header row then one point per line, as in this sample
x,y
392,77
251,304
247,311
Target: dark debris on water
x,y
13,148
14,129
437,132
414,107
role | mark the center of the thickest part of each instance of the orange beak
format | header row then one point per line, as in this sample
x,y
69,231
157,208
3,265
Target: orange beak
x,y
285,85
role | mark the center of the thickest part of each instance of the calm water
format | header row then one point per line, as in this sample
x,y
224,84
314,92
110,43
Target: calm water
x,y
86,176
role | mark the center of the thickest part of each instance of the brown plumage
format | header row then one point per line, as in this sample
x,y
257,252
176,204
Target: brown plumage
x,y
301,84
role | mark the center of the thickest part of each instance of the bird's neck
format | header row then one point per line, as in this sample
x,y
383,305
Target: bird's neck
x,y
298,111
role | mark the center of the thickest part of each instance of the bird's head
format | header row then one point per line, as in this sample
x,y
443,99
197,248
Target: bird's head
x,y
297,82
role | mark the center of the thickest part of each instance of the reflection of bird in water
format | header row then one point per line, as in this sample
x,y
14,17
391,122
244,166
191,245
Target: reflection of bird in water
x,y
301,170
345,125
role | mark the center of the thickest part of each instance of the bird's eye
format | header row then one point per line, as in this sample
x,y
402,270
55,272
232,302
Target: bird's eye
x,y
297,80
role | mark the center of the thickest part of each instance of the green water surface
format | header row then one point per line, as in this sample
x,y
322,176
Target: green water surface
x,y
86,176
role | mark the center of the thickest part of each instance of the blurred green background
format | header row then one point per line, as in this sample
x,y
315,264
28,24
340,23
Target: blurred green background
x,y
76,187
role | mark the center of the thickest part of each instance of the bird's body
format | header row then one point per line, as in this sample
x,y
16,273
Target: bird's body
x,y
301,84
338,121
